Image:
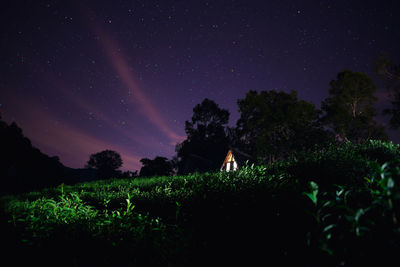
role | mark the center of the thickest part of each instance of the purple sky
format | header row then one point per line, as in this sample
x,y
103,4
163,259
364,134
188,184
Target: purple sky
x,y
83,76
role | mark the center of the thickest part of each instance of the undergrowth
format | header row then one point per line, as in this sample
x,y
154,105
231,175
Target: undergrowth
x,y
333,206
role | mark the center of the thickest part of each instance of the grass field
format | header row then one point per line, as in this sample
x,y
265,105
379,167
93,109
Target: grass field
x,y
334,206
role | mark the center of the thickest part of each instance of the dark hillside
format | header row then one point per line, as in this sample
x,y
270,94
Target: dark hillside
x,y
22,166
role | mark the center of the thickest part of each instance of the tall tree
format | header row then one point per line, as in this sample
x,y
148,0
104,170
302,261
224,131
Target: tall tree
x,y
206,142
274,124
390,72
158,166
106,163
349,109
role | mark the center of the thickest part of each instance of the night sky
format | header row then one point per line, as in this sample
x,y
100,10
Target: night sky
x,y
80,77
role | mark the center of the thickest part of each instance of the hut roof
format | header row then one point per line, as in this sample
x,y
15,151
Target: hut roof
x,y
237,156
241,157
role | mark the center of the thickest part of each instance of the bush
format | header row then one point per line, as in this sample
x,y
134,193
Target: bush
x,y
340,164
379,151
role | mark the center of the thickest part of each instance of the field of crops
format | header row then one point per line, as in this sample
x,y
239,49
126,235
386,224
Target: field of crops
x,y
335,206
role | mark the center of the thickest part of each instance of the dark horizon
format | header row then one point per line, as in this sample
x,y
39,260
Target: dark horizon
x,y
79,78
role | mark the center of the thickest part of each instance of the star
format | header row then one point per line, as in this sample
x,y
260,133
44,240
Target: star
x,y
173,55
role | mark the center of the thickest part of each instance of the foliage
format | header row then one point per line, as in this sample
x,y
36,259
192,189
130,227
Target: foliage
x,y
274,124
349,109
357,225
337,163
158,166
341,215
377,150
67,223
106,163
206,141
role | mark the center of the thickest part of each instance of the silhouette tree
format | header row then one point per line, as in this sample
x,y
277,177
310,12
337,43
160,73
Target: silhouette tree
x,y
106,163
390,72
22,166
159,166
207,142
274,124
349,110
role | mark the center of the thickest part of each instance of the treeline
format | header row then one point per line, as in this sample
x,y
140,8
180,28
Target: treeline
x,y
277,125
272,126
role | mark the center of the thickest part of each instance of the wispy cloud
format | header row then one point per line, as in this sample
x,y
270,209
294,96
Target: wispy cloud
x,y
86,106
117,59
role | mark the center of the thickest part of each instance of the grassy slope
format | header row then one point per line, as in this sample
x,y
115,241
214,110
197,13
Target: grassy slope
x,y
258,213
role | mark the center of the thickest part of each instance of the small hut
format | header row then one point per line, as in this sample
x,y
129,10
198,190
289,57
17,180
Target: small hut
x,y
234,159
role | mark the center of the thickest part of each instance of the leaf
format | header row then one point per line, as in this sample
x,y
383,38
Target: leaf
x,y
329,227
328,236
312,196
326,216
327,203
368,180
382,169
314,186
314,192
327,250
390,182
358,214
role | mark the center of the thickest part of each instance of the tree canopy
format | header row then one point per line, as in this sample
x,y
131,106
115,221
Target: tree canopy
x,y
208,121
349,109
206,142
158,166
106,163
273,124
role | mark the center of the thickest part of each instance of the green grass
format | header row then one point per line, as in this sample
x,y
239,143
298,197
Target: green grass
x,y
335,206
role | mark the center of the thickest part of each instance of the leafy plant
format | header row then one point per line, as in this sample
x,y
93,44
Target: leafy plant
x,y
314,192
334,204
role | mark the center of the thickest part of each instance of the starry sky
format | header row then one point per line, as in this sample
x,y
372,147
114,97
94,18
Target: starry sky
x,y
80,77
